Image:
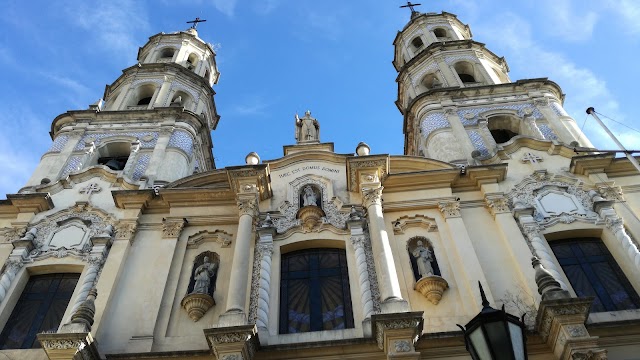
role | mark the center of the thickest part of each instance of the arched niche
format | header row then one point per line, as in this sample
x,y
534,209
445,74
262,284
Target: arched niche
x,y
192,61
421,249
204,270
166,54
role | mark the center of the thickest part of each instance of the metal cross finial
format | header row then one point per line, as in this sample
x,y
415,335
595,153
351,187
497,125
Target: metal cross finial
x,y
195,22
410,6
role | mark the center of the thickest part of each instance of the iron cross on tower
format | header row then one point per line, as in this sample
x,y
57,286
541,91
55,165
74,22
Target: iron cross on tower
x,y
410,6
195,22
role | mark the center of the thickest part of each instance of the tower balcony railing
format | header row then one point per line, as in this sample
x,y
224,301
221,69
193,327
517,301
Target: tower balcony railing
x,y
165,60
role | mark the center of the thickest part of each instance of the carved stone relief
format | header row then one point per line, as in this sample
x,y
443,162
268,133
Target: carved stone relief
x,y
330,206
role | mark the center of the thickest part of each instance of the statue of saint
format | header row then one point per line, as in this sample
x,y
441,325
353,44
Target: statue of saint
x,y
307,128
309,196
203,275
424,257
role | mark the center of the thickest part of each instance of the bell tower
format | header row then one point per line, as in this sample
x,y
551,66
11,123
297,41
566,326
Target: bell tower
x,y
153,125
458,102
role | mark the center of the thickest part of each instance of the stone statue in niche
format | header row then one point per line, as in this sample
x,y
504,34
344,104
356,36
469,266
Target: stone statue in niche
x,y
309,197
307,128
205,271
424,257
310,212
425,268
202,284
203,275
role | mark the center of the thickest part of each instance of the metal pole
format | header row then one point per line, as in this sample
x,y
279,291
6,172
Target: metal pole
x,y
591,111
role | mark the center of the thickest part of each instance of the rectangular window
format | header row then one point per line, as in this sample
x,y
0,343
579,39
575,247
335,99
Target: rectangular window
x,y
314,291
592,271
40,308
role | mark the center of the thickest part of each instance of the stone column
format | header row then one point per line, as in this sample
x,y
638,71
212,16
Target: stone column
x,y
21,249
537,243
390,295
616,225
358,239
261,285
466,256
236,297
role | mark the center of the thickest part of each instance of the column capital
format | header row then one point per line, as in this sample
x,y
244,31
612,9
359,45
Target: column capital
x,y
450,208
171,228
372,196
126,229
497,203
247,205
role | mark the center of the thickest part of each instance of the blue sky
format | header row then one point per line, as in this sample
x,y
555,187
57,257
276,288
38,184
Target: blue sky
x,y
279,57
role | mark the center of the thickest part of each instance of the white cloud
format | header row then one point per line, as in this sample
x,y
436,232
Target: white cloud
x,y
253,107
583,86
68,83
628,11
114,23
226,7
568,21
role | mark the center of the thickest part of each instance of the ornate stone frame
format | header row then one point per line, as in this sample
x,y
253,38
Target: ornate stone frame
x,y
330,204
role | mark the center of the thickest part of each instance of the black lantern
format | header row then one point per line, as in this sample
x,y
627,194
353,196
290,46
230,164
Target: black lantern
x,y
494,334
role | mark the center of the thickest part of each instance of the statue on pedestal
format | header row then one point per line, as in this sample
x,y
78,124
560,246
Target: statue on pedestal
x,y
424,257
307,129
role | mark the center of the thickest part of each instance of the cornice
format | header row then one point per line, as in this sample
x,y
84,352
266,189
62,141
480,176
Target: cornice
x,y
25,203
602,163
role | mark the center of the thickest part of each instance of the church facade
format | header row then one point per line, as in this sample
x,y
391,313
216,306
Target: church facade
x,y
128,243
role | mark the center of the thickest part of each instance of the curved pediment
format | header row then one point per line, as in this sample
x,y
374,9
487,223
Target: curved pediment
x,y
217,178
404,163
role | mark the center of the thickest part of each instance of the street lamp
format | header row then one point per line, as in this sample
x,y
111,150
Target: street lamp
x,y
494,334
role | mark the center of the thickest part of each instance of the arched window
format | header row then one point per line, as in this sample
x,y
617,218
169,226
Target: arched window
x,y
141,96
314,291
431,81
503,128
466,72
592,271
166,54
192,61
40,308
440,33
417,42
114,155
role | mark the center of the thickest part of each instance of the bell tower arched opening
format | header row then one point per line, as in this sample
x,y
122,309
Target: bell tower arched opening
x,y
466,73
114,155
503,128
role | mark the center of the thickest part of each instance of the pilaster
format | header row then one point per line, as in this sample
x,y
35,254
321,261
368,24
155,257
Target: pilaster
x,y
358,241
470,264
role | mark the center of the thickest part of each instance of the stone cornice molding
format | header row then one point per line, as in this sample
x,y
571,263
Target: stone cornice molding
x,y
219,236
25,203
602,163
403,223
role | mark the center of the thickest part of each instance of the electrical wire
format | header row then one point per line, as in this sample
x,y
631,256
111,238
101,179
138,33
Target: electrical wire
x,y
618,122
